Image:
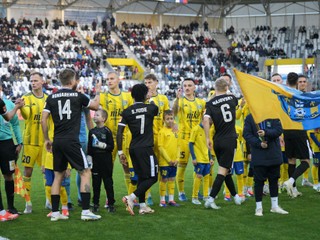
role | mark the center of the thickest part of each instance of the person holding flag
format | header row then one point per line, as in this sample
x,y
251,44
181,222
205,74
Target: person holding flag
x,y
266,158
296,110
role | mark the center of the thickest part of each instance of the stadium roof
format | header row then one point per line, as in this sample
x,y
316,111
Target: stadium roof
x,y
194,7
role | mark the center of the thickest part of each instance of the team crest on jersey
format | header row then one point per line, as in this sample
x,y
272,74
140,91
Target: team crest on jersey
x,y
199,106
124,102
161,104
268,124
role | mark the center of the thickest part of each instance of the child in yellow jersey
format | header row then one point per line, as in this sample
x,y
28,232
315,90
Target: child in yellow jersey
x,y
315,145
202,162
238,166
47,164
168,159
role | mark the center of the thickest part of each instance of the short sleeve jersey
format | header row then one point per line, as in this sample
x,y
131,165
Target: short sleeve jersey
x,y
168,140
31,112
198,138
238,156
139,117
65,107
222,110
3,108
163,104
190,114
114,105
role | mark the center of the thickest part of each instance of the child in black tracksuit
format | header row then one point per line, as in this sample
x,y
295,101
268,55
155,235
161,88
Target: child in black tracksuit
x,y
100,146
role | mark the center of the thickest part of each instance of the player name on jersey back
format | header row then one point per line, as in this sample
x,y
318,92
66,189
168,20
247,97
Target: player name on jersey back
x,y
139,110
65,94
221,100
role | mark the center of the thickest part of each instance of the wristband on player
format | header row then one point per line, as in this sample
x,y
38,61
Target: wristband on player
x,y
120,152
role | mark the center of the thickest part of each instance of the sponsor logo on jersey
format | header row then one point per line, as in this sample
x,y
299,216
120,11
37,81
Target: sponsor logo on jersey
x,y
115,113
193,115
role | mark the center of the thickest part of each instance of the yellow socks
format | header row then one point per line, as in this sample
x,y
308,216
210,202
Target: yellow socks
x,y
171,186
27,184
206,180
306,174
63,196
127,180
315,177
240,184
196,186
180,178
132,188
162,188
48,193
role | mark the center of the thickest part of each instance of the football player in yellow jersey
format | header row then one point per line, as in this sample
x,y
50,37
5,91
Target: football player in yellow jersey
x,y
33,136
315,145
162,102
228,78
202,161
189,111
168,158
238,166
114,101
47,169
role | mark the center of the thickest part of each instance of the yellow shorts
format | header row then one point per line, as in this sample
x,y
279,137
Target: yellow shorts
x,y
31,155
47,159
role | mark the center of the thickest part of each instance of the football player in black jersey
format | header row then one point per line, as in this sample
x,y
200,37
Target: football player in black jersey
x,y
297,146
65,107
221,111
139,118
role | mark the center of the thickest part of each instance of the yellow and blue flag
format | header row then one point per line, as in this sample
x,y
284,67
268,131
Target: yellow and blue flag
x,y
268,100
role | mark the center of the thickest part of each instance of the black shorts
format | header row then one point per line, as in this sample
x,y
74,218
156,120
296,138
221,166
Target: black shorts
x,y
225,149
102,164
297,146
262,173
8,156
144,161
68,151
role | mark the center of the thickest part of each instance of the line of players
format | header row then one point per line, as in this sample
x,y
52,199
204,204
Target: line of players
x,y
189,111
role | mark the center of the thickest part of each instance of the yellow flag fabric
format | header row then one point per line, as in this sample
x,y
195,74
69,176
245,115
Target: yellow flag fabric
x,y
19,187
268,100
